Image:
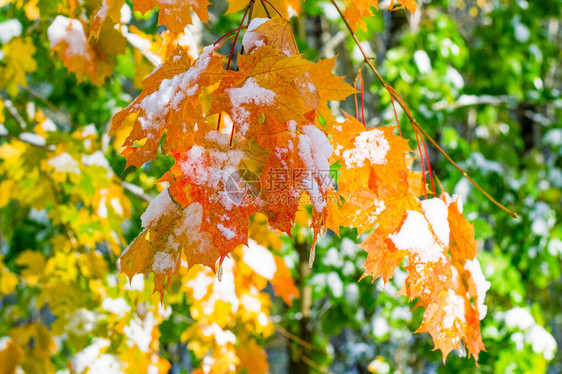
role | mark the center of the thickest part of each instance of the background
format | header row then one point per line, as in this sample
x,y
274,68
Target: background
x,y
482,77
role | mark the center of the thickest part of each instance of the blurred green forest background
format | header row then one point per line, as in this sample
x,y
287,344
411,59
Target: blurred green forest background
x,y
482,77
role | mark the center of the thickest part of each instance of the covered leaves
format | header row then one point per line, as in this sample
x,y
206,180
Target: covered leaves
x,y
93,58
266,143
272,90
169,102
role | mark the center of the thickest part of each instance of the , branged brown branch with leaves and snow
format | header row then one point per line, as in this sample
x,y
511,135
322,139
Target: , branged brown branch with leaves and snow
x,y
278,144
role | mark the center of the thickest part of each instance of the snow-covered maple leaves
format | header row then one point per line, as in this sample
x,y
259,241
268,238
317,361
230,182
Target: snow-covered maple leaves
x,y
89,44
169,102
86,57
450,286
273,113
275,144
377,188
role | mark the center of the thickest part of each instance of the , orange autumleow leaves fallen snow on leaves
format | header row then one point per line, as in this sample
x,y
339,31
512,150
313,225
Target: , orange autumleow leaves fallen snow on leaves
x,y
175,15
86,57
277,142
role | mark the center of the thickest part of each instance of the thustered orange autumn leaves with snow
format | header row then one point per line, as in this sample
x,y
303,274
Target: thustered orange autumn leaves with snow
x,y
276,143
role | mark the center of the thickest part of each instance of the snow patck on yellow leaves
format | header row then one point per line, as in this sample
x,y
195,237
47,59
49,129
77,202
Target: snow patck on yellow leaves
x,y
372,175
170,233
378,189
274,66
447,281
176,15
276,31
373,183
169,102
274,76
93,58
316,85
209,173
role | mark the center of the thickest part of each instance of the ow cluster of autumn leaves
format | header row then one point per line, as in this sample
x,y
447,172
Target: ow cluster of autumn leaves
x,y
262,140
